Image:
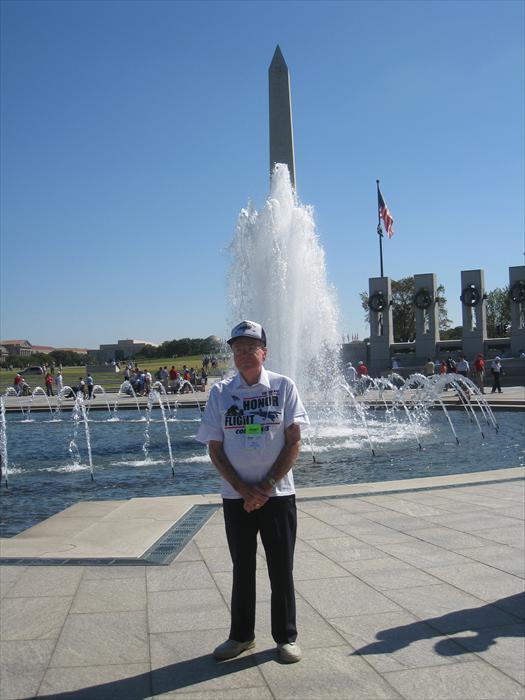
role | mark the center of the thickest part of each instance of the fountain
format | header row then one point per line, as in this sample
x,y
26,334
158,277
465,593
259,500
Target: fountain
x,y
278,278
4,465
155,397
126,389
80,415
100,390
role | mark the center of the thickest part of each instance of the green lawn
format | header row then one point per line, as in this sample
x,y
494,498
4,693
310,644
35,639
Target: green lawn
x,y
110,380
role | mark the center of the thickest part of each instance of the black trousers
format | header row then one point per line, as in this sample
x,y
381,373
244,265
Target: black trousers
x,y
277,523
495,382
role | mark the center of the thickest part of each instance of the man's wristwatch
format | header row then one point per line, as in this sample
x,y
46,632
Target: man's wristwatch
x,y
271,481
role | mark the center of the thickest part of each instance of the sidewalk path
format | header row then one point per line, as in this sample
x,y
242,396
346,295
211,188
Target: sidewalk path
x,y
406,594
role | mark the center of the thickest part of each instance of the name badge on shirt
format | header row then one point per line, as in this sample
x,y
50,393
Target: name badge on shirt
x,y
255,429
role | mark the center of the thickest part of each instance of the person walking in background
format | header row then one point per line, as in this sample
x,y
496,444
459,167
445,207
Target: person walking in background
x,y
463,366
351,374
255,461
147,382
58,382
90,384
428,369
164,375
495,369
48,381
451,364
174,380
17,383
362,369
479,372
81,388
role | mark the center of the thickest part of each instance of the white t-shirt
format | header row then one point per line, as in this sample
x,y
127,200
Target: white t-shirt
x,y
250,422
462,366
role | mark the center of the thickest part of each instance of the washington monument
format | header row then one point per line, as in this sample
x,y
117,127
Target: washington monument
x,y
281,130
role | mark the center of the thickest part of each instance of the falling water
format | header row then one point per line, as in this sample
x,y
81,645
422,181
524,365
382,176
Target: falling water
x,y
80,415
278,278
155,397
3,443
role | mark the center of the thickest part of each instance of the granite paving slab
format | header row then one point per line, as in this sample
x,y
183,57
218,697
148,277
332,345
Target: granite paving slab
x,y
314,565
46,581
115,682
110,595
502,557
397,640
309,527
22,664
33,618
196,609
480,580
512,535
180,575
422,554
448,609
333,515
502,647
341,549
455,682
387,573
8,576
97,639
113,572
326,673
375,533
339,597
447,538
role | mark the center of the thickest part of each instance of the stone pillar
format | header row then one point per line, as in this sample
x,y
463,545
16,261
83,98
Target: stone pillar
x,y
427,315
517,308
474,308
381,324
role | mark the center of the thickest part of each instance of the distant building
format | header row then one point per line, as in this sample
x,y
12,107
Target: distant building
x,y
18,348
43,349
4,353
121,350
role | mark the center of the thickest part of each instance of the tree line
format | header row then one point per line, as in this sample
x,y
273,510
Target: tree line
x,y
181,348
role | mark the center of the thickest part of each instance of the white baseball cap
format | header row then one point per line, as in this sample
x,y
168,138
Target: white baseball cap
x,y
248,329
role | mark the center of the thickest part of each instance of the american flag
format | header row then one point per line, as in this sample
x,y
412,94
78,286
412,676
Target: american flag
x,y
385,214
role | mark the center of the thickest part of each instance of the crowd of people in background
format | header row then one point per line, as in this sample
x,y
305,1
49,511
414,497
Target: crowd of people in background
x,y
474,371
189,379
172,380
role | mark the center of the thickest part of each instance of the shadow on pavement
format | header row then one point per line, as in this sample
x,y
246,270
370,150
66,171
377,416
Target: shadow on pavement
x,y
183,674
500,618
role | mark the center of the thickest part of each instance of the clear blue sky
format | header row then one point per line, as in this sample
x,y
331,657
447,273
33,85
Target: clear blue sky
x,y
133,132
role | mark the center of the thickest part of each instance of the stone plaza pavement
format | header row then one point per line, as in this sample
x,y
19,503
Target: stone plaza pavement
x,y
414,593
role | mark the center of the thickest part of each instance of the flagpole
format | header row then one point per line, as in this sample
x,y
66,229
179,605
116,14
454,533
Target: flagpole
x,y
379,231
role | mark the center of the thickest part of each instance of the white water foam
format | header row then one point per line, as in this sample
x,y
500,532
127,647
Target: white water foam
x,y
68,468
138,462
196,459
278,278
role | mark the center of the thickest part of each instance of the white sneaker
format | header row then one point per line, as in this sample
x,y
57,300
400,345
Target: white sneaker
x,y
231,648
289,653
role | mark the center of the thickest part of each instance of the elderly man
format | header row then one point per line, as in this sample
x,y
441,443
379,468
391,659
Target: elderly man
x,y
252,427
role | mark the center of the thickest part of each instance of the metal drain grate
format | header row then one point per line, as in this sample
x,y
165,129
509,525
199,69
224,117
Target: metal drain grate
x,y
161,553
